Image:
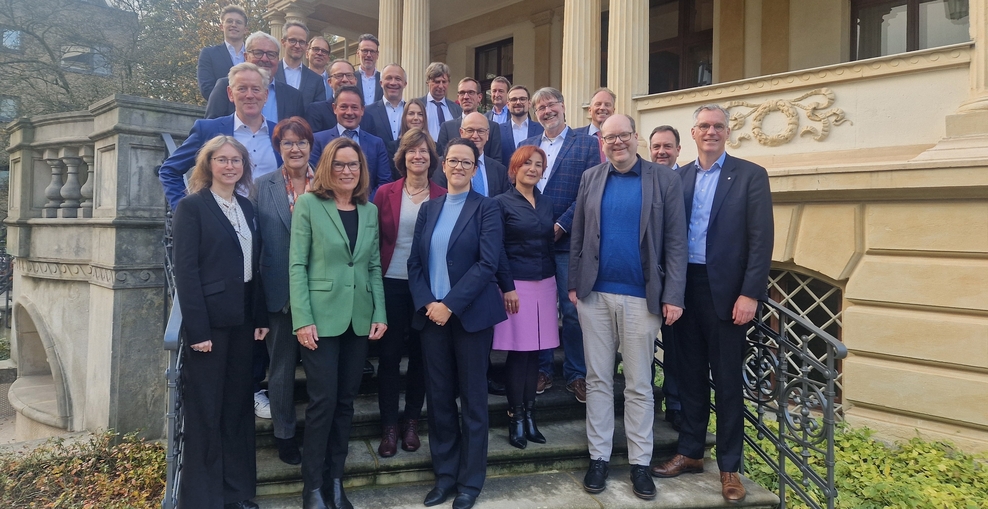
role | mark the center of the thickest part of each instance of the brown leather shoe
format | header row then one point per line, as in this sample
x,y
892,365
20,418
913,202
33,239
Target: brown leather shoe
x,y
410,435
545,382
679,464
579,389
389,441
731,487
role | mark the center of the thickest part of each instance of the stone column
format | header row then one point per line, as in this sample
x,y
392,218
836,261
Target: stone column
x,y
389,31
627,53
978,99
415,45
581,55
276,22
543,47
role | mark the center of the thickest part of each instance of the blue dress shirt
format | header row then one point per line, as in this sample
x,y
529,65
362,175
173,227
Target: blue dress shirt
x,y
703,200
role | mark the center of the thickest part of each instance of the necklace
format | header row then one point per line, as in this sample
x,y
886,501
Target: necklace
x,y
416,193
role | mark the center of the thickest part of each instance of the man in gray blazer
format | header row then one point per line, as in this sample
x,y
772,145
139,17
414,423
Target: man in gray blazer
x,y
291,70
627,272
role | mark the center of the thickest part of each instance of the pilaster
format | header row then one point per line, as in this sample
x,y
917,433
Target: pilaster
x,y
581,55
627,53
415,31
389,32
542,22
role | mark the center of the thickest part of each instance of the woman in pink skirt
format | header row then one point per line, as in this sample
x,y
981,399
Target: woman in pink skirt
x,y
530,290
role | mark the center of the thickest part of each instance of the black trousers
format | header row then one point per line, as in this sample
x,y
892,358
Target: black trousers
x,y
399,337
456,363
521,376
219,462
710,345
333,372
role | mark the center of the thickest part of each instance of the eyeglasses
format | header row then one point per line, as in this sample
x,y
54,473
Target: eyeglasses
x,y
353,166
611,138
462,163
368,51
223,161
319,51
288,145
517,99
547,105
295,42
466,92
258,53
342,75
705,127
469,131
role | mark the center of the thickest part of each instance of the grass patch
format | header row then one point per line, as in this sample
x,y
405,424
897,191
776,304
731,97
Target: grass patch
x,y
108,471
4,343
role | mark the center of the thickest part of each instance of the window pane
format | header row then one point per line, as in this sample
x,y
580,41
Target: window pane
x,y
507,59
9,107
11,39
663,72
702,16
881,29
943,22
663,22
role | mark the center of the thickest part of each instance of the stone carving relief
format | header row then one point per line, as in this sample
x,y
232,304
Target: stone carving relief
x,y
52,270
820,118
131,277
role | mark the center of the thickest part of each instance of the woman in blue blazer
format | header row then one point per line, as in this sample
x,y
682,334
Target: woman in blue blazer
x,y
455,253
216,277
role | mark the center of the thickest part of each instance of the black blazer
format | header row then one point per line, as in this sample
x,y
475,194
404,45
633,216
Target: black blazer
x,y
376,122
528,238
497,177
214,63
289,101
310,87
475,246
320,115
209,267
451,129
740,234
378,91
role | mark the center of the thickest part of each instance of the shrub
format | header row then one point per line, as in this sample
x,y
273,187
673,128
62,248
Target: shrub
x,y
105,472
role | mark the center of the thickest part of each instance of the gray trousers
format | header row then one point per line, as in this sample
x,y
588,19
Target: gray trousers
x,y
283,349
610,321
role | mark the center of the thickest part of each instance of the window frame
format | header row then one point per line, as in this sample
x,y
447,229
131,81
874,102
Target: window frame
x,y
90,64
20,39
912,23
17,107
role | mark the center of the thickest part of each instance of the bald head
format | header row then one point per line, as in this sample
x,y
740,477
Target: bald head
x,y
476,129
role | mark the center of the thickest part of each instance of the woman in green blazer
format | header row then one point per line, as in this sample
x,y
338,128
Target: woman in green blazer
x,y
337,297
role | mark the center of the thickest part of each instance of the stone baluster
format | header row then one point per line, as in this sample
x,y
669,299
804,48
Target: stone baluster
x,y
53,191
86,208
70,191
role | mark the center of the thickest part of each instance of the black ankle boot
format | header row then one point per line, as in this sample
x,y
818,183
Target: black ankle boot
x,y
337,497
531,431
516,428
313,500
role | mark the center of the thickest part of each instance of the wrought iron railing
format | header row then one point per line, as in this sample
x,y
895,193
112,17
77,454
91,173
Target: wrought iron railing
x,y
6,279
791,374
174,339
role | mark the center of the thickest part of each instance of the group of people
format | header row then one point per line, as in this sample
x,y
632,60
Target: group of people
x,y
312,224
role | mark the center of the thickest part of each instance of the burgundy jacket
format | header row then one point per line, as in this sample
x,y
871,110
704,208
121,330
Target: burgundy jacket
x,y
388,201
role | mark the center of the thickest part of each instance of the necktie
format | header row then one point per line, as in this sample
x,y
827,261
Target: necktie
x,y
350,133
600,147
478,184
439,109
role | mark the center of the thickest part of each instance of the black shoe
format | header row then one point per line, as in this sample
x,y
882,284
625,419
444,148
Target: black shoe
x,y
516,428
675,418
464,501
243,504
594,481
313,500
368,368
496,388
531,430
288,450
335,496
641,482
437,496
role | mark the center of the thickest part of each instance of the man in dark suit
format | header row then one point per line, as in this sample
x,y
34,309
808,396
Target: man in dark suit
x,y
283,101
369,78
349,109
601,108
437,108
568,155
729,213
248,93
491,178
318,56
519,127
291,70
627,274
320,114
663,147
469,94
499,112
215,61
383,118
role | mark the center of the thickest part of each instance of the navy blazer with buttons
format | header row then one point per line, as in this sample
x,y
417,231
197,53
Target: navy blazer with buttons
x,y
172,171
214,63
508,138
577,154
475,247
740,232
372,147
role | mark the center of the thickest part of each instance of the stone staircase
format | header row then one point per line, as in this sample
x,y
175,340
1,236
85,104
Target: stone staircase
x,y
540,476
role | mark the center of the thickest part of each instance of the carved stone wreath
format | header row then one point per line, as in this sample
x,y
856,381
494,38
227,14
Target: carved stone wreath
x,y
816,111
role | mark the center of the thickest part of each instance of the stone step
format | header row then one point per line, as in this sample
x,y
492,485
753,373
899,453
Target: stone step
x,y
566,450
552,489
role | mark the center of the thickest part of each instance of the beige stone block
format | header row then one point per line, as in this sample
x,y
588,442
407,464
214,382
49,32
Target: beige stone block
x,y
827,239
924,336
894,427
940,282
926,226
786,220
927,392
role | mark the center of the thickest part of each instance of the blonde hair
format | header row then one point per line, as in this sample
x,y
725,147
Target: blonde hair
x,y
202,173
